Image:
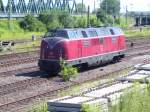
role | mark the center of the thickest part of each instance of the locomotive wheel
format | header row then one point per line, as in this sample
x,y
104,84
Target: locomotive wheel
x,y
115,59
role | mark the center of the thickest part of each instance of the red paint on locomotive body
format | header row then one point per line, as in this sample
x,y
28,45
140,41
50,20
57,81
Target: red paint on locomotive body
x,y
92,46
80,46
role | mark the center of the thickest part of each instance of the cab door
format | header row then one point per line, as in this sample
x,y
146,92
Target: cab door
x,y
79,48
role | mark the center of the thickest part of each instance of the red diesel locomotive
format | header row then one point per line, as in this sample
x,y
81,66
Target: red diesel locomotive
x,y
83,46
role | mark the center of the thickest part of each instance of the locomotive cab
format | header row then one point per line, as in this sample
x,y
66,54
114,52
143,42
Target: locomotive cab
x,y
53,47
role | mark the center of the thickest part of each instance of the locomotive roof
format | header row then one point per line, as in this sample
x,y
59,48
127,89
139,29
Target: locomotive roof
x,y
71,33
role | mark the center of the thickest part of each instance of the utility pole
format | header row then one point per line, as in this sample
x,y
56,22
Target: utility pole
x,y
88,17
82,8
64,4
9,14
94,7
113,16
126,14
106,12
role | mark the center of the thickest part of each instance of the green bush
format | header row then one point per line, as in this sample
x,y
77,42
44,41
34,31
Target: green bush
x,y
90,108
67,71
40,108
94,22
31,23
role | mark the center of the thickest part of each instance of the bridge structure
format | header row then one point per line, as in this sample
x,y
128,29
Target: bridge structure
x,y
141,18
35,7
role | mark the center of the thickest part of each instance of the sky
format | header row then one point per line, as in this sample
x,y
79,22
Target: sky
x,y
132,5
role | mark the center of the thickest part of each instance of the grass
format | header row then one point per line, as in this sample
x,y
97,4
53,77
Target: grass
x,y
13,31
134,33
90,108
136,100
123,24
40,108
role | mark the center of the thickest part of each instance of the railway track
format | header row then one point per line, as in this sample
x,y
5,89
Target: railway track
x,y
18,61
18,71
53,92
18,55
56,85
138,47
27,57
20,85
41,95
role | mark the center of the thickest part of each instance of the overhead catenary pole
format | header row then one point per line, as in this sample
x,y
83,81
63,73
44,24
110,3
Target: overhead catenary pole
x,y
126,14
9,14
88,17
113,16
82,8
106,12
94,7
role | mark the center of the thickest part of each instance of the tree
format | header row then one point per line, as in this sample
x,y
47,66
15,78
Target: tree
x,y
31,23
81,22
101,15
111,7
109,11
57,19
81,9
66,19
50,19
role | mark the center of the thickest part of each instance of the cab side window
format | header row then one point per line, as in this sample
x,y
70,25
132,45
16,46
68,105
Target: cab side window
x,y
93,33
84,34
118,31
61,33
101,32
114,38
112,32
72,34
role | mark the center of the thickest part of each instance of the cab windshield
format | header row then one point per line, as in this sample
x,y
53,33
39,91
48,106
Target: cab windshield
x,y
50,33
